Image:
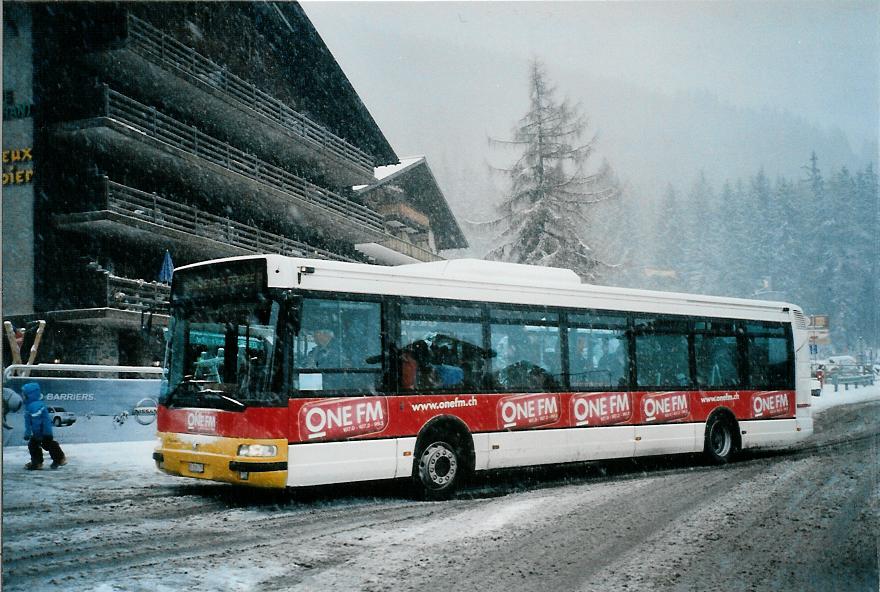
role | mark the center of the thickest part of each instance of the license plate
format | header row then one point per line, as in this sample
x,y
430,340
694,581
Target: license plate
x,y
196,468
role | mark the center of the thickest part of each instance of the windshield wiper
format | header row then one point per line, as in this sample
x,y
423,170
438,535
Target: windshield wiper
x,y
195,391
219,396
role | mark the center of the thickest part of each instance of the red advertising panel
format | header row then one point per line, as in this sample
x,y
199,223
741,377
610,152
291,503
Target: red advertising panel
x,y
253,422
528,411
599,409
663,407
332,419
337,419
771,404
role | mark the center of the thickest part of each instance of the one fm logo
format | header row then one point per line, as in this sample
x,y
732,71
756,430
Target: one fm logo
x,y
528,411
665,406
342,418
770,404
201,422
601,408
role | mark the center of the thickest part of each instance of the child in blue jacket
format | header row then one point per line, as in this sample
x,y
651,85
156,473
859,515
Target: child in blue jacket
x,y
38,429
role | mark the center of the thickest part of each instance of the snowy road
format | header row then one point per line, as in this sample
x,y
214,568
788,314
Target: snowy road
x,y
804,520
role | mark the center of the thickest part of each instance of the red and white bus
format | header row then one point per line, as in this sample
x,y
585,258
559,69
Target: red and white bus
x,y
296,372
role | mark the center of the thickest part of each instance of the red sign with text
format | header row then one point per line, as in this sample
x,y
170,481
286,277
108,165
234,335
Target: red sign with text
x,y
598,409
528,411
337,419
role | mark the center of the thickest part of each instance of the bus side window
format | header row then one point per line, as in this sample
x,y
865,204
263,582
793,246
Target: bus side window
x,y
527,348
662,356
716,361
769,362
598,351
769,356
338,348
440,347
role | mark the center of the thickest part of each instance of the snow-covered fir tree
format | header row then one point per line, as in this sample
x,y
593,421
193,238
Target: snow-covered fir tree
x,y
545,216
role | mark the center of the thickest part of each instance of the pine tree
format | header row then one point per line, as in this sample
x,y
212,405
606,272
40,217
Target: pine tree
x,y
700,236
817,295
546,213
762,231
868,210
845,268
787,256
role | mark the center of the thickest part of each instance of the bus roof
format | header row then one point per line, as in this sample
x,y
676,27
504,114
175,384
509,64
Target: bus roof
x,y
492,281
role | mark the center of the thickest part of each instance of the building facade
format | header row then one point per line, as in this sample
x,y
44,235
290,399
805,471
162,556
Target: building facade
x,y
418,221
202,129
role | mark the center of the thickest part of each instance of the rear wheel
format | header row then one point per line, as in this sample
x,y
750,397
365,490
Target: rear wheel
x,y
721,444
440,470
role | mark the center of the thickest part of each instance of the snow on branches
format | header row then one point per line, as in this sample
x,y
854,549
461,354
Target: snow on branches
x,y
544,216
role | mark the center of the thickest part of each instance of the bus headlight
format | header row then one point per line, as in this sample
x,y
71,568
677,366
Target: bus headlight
x,y
257,450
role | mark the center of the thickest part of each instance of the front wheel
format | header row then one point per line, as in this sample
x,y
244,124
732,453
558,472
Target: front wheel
x,y
720,445
440,470
56,421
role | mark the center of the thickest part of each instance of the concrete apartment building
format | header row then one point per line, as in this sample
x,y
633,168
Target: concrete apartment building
x,y
202,129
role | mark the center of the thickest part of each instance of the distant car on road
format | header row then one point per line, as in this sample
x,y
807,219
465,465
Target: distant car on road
x,y
839,366
60,417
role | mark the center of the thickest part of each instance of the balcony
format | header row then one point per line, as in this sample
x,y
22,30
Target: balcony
x,y
137,295
405,217
396,251
124,130
153,64
102,299
116,211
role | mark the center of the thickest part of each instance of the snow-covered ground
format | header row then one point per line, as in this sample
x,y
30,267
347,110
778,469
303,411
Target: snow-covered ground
x,y
109,522
860,394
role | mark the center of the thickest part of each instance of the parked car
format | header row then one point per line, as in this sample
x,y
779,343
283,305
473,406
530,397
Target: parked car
x,y
840,366
60,417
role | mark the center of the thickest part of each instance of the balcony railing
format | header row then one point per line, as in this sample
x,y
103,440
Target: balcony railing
x,y
168,53
401,214
409,249
152,208
137,295
150,122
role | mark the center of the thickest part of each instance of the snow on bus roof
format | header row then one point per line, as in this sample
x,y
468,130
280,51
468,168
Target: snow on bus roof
x,y
499,273
465,269
495,271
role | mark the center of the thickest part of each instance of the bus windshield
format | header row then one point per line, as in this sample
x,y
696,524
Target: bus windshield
x,y
221,355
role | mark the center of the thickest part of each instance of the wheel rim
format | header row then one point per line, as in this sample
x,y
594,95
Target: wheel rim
x,y
439,465
720,439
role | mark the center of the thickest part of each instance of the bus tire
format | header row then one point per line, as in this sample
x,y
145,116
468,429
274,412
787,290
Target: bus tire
x,y
721,442
440,469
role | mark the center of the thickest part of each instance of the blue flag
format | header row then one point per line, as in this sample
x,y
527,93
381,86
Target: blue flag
x,y
167,269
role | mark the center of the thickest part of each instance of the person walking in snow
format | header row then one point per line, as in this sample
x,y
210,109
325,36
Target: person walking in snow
x,y
38,430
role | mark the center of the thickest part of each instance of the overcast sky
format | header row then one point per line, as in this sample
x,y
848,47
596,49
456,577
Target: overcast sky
x,y
819,60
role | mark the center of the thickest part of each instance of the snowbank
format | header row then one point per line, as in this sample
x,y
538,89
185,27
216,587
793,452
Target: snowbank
x,y
829,398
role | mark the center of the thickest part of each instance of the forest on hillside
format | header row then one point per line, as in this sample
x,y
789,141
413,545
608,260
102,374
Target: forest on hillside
x,y
812,240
